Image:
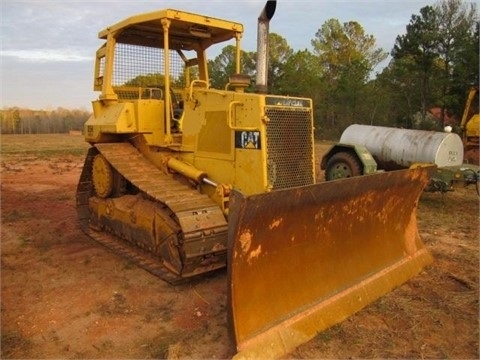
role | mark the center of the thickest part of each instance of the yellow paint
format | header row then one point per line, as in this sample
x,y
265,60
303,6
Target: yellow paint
x,y
254,254
245,241
275,223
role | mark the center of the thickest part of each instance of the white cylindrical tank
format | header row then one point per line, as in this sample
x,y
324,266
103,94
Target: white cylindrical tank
x,y
395,148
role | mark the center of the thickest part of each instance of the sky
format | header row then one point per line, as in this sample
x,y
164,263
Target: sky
x,y
47,47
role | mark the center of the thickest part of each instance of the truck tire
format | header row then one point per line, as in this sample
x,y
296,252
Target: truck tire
x,y
343,165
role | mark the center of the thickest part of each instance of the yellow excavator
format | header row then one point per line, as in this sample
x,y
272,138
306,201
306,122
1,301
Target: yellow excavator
x,y
185,179
470,127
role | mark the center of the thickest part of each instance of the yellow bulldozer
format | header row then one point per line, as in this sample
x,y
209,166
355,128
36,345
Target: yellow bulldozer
x,y
470,127
185,179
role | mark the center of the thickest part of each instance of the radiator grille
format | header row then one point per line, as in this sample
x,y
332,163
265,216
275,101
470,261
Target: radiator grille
x,y
289,147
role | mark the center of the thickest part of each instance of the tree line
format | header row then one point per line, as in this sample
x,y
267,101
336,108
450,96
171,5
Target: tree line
x,y
25,121
432,67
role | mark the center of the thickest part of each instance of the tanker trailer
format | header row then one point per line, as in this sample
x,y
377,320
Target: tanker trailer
x,y
365,149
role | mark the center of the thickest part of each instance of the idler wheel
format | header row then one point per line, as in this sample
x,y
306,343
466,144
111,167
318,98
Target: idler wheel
x,y
102,176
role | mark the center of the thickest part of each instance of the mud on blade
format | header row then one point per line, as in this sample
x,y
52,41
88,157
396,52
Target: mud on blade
x,y
303,259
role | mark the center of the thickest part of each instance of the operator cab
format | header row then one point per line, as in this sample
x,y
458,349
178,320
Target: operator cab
x,y
147,57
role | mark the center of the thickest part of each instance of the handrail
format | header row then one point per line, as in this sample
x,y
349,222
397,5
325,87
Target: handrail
x,y
230,118
190,92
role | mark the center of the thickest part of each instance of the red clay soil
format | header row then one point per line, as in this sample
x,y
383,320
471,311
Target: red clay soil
x,y
65,296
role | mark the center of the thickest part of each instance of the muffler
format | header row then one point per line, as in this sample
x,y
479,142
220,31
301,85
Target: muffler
x,y
262,46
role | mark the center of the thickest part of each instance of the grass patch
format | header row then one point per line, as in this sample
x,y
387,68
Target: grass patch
x,y
14,345
166,346
42,146
14,216
328,334
64,197
24,241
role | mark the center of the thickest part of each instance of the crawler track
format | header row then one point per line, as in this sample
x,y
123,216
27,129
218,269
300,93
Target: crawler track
x,y
200,219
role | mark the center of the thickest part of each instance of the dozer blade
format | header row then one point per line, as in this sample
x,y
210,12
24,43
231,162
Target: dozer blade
x,y
303,259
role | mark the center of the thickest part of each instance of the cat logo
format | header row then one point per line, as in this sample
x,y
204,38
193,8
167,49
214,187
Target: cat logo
x,y
247,140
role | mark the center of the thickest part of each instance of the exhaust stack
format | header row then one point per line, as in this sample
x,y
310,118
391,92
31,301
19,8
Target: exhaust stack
x,y
262,46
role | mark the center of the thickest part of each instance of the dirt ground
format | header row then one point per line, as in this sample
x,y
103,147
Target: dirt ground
x,y
65,296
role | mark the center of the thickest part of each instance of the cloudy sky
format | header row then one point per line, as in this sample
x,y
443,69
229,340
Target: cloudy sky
x,y
48,46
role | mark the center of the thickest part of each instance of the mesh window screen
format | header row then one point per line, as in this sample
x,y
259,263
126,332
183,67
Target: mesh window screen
x,y
144,67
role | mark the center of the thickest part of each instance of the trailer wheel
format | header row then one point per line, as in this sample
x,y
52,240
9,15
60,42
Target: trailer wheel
x,y
343,165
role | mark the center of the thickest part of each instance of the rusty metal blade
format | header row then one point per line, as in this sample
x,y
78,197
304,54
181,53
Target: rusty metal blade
x,y
302,259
